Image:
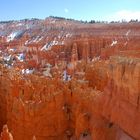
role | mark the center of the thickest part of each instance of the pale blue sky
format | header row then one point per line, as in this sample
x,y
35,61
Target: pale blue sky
x,y
77,9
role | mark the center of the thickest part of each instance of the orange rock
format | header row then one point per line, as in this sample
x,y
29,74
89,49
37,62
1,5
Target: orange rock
x,y
34,138
102,100
6,135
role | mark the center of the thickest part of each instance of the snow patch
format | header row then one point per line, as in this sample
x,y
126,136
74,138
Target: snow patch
x,y
66,77
128,32
20,57
26,42
68,35
49,45
13,35
40,39
19,24
12,50
114,43
96,58
7,58
27,71
36,39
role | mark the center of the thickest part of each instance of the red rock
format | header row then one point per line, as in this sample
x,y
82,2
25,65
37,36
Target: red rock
x,y
100,102
6,135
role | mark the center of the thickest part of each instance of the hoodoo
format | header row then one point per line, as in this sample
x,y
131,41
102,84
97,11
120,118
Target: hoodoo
x,y
6,135
63,79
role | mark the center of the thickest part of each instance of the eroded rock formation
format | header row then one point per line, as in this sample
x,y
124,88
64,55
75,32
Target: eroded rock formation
x,y
98,109
81,85
6,135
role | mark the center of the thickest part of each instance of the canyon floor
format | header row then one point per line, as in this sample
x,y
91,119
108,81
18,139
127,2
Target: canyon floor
x,y
66,80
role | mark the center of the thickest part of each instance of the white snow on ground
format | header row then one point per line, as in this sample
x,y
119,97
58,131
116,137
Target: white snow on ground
x,y
69,77
27,71
7,58
44,47
12,50
26,42
48,46
114,43
128,32
13,35
20,57
96,58
36,39
68,35
19,24
63,35
64,75
40,39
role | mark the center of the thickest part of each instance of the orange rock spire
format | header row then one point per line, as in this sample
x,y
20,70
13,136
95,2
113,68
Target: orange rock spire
x,y
6,135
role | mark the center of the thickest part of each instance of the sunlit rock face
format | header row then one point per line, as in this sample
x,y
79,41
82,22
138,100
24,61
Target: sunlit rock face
x,y
65,80
6,135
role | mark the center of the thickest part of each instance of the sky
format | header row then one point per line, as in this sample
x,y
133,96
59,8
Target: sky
x,y
107,10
